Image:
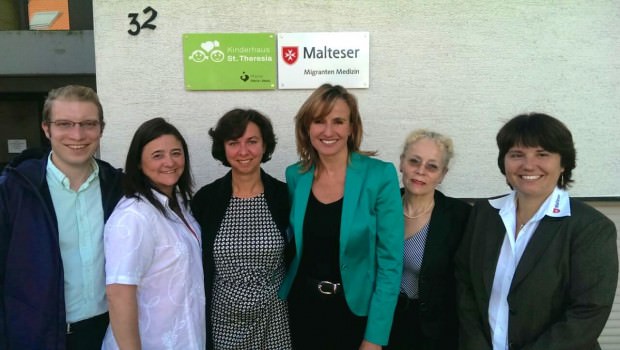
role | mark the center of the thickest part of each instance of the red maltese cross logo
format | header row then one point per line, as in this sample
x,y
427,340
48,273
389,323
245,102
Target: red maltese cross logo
x,y
290,54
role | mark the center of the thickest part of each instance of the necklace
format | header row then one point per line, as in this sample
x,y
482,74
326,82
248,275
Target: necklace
x,y
425,211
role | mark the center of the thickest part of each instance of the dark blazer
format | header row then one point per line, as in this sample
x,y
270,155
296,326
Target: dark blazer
x,y
437,285
562,291
209,206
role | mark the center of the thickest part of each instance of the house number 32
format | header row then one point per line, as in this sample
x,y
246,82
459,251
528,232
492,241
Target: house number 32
x,y
135,24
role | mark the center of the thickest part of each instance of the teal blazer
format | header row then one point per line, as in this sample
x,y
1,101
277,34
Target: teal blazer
x,y
371,239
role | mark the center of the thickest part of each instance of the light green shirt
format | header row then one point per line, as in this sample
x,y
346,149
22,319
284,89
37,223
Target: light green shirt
x,y
80,227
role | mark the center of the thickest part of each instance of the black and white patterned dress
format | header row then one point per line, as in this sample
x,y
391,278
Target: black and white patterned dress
x,y
249,267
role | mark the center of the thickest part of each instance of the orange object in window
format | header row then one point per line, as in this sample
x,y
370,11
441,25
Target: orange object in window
x,y
48,14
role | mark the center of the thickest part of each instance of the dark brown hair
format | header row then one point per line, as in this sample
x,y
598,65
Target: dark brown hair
x,y
135,181
539,130
232,126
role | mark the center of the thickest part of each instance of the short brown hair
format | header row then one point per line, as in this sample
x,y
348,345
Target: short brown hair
x,y
232,126
539,130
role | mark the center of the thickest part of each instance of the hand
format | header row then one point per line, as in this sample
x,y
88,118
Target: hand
x,y
366,345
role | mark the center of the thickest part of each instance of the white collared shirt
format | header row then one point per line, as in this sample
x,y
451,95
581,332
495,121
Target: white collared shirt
x,y
556,205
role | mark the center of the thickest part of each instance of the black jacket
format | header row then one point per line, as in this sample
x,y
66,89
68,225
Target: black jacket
x,y
437,283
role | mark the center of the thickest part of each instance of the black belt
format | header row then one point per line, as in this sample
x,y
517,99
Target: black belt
x,y
324,287
87,323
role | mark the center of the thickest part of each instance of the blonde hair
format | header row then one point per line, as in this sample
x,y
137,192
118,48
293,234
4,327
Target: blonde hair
x,y
444,143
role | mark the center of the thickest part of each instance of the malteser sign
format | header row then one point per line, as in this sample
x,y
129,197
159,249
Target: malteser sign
x,y
307,60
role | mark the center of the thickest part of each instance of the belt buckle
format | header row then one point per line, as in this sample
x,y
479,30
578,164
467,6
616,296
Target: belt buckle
x,y
333,287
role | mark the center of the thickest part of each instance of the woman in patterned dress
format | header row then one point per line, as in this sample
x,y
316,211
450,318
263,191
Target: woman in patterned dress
x,y
244,216
154,277
426,313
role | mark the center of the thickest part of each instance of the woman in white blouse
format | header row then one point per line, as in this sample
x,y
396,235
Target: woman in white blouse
x,y
152,249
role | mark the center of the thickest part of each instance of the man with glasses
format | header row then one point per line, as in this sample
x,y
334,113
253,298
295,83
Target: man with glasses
x,y
52,213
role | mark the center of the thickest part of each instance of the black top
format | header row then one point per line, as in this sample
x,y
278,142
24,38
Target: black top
x,y
436,282
321,246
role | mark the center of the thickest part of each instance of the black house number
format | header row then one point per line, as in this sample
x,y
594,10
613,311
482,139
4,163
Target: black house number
x,y
135,24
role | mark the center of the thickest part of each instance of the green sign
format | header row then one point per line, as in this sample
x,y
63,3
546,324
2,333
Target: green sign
x,y
227,61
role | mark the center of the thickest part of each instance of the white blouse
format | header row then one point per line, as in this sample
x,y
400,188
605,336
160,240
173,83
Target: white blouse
x,y
162,257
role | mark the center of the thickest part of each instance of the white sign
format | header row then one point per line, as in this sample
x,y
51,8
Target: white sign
x,y
17,145
307,60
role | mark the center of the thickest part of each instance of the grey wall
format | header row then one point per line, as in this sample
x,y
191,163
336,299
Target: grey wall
x,y
462,68
46,53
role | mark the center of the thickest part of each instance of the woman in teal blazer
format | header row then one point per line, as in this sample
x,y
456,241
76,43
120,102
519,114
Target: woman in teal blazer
x,y
347,224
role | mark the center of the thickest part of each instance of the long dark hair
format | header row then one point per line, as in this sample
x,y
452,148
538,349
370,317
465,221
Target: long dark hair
x,y
135,183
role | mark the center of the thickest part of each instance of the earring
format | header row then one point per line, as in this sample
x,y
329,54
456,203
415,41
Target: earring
x,y
561,180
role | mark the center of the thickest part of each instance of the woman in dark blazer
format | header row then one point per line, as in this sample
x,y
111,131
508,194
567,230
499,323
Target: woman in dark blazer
x,y
244,217
426,316
347,223
536,269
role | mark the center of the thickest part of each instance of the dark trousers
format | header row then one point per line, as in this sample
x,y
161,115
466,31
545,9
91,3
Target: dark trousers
x,y
323,321
407,333
88,334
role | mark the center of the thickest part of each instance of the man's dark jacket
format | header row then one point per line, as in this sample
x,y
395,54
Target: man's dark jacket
x,y
32,301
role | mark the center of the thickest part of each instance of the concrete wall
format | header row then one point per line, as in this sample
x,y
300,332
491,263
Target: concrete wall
x,y
462,68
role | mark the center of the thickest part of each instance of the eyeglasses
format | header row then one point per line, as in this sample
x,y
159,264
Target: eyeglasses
x,y
68,124
428,166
